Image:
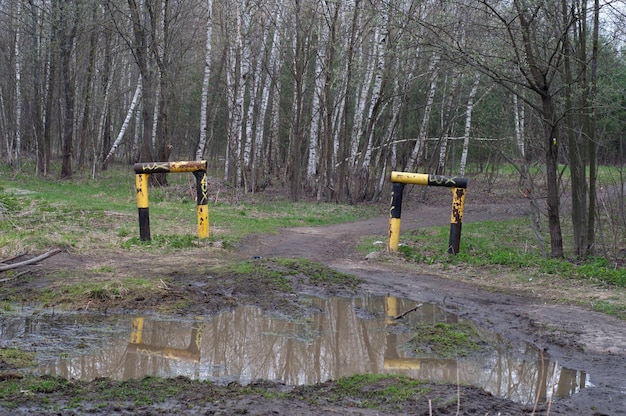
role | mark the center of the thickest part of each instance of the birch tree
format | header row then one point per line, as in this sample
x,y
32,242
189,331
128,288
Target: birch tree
x,y
18,85
468,122
416,155
127,120
205,83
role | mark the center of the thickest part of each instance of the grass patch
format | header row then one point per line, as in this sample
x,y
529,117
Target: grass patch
x,y
85,214
376,389
507,244
610,308
279,274
16,358
97,290
446,340
319,275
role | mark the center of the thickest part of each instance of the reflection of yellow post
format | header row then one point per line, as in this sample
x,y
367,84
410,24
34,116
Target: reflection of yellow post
x,y
391,360
136,335
391,309
137,345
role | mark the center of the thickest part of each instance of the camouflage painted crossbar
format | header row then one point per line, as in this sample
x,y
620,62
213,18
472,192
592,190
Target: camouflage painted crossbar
x,y
142,174
458,185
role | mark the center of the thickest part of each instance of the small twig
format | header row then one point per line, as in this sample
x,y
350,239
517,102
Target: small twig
x,y
402,315
4,261
6,279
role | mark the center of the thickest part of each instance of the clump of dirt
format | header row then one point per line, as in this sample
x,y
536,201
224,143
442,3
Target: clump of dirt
x,y
181,396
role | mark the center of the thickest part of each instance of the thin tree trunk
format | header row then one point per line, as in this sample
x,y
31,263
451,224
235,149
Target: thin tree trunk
x,y
129,115
18,85
446,123
205,83
415,158
593,157
468,123
66,35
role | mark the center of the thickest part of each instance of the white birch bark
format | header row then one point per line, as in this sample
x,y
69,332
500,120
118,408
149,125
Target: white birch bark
x,y
129,115
160,35
415,158
315,120
361,103
249,79
18,84
518,113
205,83
235,77
380,59
468,123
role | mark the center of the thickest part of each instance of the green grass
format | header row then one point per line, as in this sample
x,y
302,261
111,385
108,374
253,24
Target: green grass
x,y
446,340
509,244
96,290
17,358
277,274
389,388
85,214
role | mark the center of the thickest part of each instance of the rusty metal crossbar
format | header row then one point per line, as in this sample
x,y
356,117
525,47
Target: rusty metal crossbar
x,y
142,174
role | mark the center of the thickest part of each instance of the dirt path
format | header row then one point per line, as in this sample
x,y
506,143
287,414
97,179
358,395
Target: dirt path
x,y
572,336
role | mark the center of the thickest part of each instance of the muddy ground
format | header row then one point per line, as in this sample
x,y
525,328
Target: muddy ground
x,y
572,335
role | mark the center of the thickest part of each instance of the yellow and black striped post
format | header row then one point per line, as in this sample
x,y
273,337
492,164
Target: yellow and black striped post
x,y
456,219
141,181
142,173
395,212
458,185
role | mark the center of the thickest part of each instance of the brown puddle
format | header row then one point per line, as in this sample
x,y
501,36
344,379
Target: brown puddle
x,y
346,337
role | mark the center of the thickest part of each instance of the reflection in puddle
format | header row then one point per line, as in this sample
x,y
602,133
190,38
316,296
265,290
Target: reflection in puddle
x,y
347,337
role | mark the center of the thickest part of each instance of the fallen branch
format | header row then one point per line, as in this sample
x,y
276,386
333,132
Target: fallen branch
x,y
6,279
4,267
402,315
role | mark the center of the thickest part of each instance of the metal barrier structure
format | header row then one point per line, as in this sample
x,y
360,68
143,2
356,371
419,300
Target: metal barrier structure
x,y
142,174
458,185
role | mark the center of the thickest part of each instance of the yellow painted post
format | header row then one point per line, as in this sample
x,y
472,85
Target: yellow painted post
x,y
141,185
197,167
458,185
203,203
395,213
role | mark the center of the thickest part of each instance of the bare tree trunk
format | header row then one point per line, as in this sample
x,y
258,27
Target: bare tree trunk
x,y
446,122
468,122
66,35
126,123
140,52
592,134
205,82
416,154
18,85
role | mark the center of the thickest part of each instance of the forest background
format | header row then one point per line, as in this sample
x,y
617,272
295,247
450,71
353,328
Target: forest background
x,y
325,97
